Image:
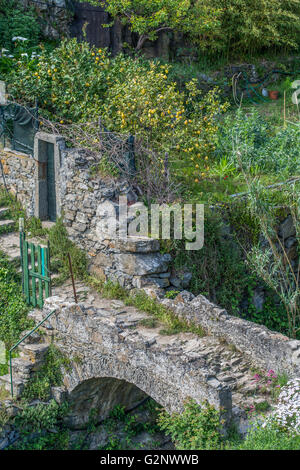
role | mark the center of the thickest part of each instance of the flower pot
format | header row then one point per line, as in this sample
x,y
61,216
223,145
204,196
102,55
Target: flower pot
x,y
273,94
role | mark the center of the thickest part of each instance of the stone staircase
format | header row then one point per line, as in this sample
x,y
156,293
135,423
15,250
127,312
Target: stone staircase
x,y
5,224
31,355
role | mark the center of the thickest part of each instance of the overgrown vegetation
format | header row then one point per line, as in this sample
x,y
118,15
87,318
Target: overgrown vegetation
x,y
36,423
13,309
196,428
199,428
16,21
233,26
139,299
49,375
61,246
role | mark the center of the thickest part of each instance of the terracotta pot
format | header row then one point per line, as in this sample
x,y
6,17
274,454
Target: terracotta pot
x,y
273,94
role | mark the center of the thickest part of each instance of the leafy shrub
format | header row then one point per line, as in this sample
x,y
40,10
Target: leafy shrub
x,y
13,309
40,417
17,21
250,144
49,375
60,246
267,437
36,423
196,428
69,81
78,83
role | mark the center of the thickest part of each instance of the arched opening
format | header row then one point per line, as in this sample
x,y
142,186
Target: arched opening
x,y
100,396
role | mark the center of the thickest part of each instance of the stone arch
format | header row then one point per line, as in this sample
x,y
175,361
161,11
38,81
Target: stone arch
x,y
105,381
101,395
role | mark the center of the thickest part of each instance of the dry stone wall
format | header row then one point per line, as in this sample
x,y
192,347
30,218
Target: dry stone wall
x,y
267,349
134,262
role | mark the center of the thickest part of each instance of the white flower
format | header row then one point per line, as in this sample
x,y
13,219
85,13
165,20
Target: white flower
x,y
24,54
287,411
19,38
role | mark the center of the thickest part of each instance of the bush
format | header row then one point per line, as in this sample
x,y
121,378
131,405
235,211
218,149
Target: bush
x,y
49,375
196,428
78,83
41,427
287,411
69,81
17,21
267,437
13,309
251,144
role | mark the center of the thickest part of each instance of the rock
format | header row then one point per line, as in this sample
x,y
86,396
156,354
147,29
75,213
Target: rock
x,y
184,296
103,260
286,228
186,279
160,282
141,264
136,245
181,281
176,282
258,299
59,394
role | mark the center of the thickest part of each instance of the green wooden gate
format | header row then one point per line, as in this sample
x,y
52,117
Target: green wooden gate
x,y
36,279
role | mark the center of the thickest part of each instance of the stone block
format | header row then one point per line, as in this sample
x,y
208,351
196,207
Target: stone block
x,y
141,264
135,245
103,259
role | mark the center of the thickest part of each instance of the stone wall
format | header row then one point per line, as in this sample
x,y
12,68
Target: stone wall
x,y
81,197
54,16
267,349
19,170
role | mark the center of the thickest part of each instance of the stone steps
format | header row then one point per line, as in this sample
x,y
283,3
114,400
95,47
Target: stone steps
x,y
30,359
33,352
22,368
18,384
6,223
3,211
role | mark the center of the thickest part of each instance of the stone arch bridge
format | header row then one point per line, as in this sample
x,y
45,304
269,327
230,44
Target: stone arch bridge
x,y
116,357
116,360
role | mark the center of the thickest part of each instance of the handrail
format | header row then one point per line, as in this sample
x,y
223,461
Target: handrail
x,y
19,342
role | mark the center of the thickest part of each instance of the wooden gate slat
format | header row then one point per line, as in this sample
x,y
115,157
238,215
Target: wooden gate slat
x,y
46,271
35,279
26,273
33,282
40,282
